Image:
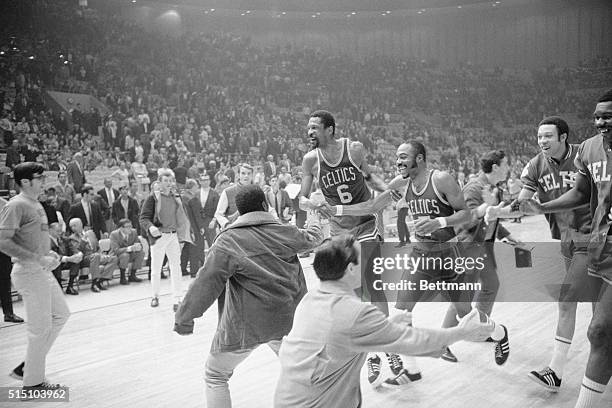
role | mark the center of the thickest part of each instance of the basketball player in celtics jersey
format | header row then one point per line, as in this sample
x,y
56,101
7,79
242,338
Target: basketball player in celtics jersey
x,y
593,186
435,199
340,168
550,174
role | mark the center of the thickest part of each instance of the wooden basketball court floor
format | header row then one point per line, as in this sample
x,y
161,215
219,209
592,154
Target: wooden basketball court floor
x,y
117,351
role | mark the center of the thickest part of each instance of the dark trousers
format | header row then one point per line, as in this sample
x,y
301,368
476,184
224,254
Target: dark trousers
x,y
5,284
185,256
402,228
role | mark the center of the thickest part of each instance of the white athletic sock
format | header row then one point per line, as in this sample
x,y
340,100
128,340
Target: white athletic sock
x,y
559,357
498,332
410,363
590,393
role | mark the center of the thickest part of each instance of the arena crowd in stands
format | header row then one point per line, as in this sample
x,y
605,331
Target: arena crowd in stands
x,y
207,101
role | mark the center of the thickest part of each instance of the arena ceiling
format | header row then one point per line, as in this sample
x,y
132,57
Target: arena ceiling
x,y
318,5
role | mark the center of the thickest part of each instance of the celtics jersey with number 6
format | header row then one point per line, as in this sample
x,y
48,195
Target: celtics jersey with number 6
x,y
343,183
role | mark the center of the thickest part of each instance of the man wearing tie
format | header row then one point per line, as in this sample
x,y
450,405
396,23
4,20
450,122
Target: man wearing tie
x,y
89,212
126,245
76,172
201,209
109,195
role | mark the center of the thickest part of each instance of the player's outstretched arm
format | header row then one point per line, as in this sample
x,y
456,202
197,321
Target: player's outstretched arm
x,y
579,195
358,154
366,208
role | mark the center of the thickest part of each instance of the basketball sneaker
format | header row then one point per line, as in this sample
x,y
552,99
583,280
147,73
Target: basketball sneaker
x,y
547,378
404,377
502,348
29,391
374,375
395,363
448,355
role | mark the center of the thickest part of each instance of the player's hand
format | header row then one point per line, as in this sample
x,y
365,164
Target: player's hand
x,y
425,226
501,210
530,207
473,328
326,210
396,195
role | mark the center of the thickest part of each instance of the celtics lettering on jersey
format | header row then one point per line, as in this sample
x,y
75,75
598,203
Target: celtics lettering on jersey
x,y
339,180
599,171
548,181
428,202
343,183
426,206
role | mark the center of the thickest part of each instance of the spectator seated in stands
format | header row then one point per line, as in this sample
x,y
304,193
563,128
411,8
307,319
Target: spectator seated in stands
x,y
58,245
79,241
126,245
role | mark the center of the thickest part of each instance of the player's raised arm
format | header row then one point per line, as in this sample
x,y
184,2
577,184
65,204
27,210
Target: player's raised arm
x,y
358,154
308,163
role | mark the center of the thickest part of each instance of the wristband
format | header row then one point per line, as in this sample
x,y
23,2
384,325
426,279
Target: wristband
x,y
339,210
442,221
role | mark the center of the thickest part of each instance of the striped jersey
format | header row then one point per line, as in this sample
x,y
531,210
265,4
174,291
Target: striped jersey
x,y
429,203
342,183
543,175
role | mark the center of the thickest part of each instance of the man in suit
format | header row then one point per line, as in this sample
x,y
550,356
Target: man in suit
x,y
108,195
201,212
126,245
58,245
126,207
278,200
269,168
89,212
63,188
76,172
80,242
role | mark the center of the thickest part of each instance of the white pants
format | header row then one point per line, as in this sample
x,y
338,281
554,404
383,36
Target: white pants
x,y
46,314
167,244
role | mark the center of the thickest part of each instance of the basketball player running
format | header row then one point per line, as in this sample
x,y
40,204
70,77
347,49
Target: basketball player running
x,y
435,199
340,168
593,184
550,174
